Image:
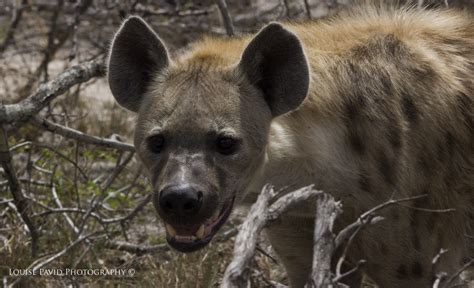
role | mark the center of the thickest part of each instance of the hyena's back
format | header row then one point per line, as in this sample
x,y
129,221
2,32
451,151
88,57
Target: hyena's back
x,y
389,113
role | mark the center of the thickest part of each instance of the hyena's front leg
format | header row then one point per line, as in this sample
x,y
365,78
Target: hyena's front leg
x,y
292,240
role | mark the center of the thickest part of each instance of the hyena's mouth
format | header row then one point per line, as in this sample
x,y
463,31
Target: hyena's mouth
x,y
186,238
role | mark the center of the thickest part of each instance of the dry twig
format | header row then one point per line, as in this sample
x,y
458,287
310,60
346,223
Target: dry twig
x,y
229,26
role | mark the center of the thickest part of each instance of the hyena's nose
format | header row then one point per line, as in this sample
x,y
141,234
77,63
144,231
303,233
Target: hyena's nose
x,y
180,201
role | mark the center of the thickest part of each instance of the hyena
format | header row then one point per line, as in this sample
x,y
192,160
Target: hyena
x,y
372,105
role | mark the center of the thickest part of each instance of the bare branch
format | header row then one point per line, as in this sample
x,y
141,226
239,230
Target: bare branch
x,y
438,256
327,209
260,215
19,199
369,217
351,271
17,15
35,266
308,9
229,26
47,92
288,201
80,136
135,248
179,13
457,273
132,214
237,272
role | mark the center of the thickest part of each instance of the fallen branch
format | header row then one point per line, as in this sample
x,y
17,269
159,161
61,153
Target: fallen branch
x,y
135,248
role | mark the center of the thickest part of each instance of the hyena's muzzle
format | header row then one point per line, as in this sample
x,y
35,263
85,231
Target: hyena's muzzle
x,y
189,204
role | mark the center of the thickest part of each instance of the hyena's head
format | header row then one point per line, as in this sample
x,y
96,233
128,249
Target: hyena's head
x,y
202,128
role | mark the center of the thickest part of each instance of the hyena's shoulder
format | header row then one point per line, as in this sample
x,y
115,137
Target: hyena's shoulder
x,y
400,86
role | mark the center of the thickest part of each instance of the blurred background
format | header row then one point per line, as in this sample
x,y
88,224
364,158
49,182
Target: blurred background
x,y
75,189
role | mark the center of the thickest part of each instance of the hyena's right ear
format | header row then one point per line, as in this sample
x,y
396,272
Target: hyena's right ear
x,y
137,53
275,62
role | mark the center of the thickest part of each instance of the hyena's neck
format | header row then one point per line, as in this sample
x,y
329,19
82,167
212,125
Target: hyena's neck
x,y
313,155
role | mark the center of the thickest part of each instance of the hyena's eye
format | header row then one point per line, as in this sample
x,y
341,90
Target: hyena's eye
x,y
226,145
156,143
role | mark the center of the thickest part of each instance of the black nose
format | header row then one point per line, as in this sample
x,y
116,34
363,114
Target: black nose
x,y
180,201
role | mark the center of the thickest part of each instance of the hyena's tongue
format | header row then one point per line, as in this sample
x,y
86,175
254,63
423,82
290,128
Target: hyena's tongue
x,y
182,230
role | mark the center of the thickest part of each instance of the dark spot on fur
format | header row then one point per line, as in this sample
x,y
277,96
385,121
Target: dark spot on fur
x,y
391,44
353,106
450,177
450,142
384,249
402,272
351,111
465,104
395,216
387,169
417,270
431,222
426,162
416,241
441,152
414,224
356,142
364,183
386,82
395,136
440,238
424,72
410,110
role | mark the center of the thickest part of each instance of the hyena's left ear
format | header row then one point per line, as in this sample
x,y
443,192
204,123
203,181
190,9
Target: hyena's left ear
x,y
136,55
275,62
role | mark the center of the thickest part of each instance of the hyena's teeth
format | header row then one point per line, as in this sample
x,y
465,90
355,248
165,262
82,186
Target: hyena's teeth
x,y
200,232
171,231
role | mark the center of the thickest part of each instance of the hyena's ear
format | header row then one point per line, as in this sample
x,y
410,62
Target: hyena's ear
x,y
137,53
275,62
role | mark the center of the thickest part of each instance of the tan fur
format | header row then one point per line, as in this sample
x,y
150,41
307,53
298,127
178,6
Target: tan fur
x,y
389,114
310,144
